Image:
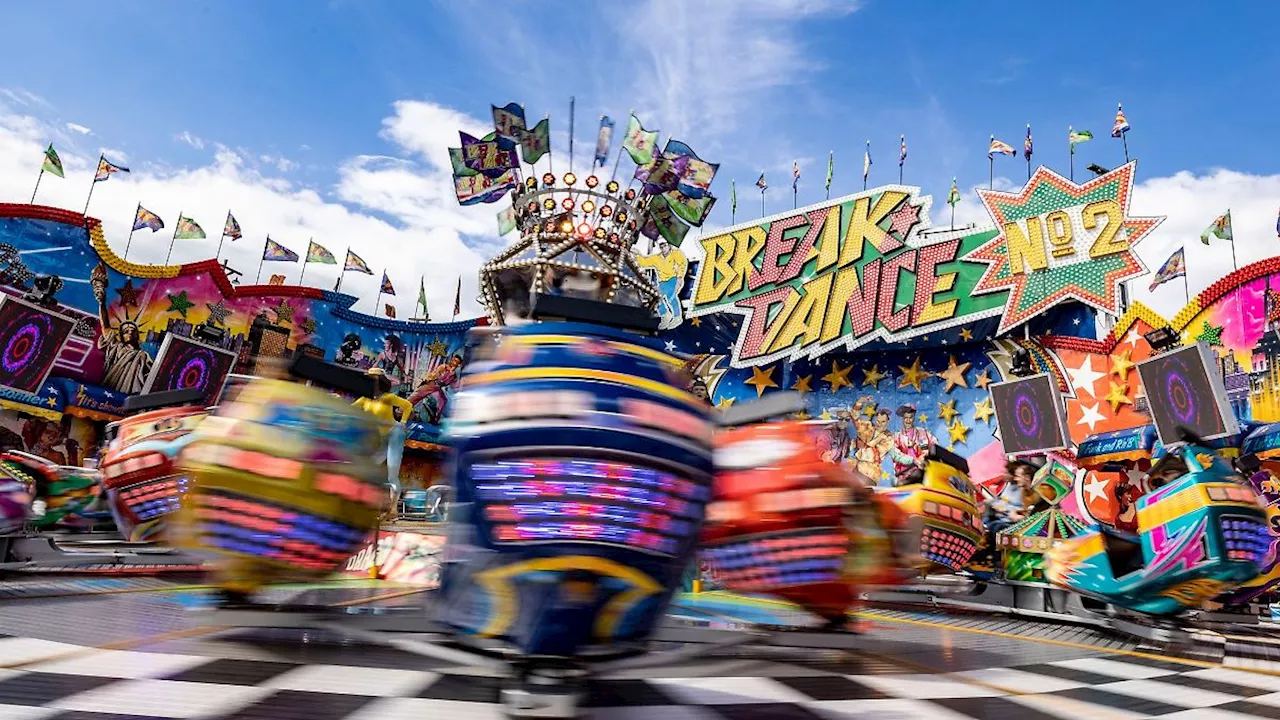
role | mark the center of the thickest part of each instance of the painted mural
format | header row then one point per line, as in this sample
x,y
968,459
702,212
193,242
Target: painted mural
x,y
124,311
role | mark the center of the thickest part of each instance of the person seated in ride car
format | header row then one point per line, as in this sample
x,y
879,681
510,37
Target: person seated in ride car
x,y
1010,505
1166,470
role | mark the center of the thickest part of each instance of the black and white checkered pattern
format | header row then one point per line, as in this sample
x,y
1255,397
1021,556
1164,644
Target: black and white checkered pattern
x,y
85,684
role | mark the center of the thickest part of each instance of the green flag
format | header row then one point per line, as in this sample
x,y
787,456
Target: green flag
x,y
1078,136
187,229
665,222
506,220
1221,229
460,168
422,298
953,197
536,141
691,210
733,196
639,143
52,163
831,168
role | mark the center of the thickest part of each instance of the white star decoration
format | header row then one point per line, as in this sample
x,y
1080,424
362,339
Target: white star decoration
x,y
1083,377
1132,338
1091,416
671,346
1096,488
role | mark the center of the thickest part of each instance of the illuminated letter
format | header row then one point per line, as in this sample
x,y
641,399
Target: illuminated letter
x,y
852,299
829,246
759,305
1106,244
1023,250
775,246
1057,225
885,308
864,226
804,248
717,274
928,283
749,244
802,317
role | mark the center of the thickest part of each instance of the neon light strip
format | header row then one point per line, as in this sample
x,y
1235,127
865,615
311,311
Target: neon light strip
x,y
606,376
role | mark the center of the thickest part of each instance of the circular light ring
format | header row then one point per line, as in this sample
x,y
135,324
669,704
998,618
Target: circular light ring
x,y
567,203
584,229
531,183
600,233
588,206
570,179
592,181
566,226
612,186
622,216
606,211
548,179
549,204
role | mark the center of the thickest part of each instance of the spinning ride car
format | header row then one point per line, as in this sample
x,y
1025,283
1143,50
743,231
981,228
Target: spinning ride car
x,y
947,502
785,522
581,473
1198,536
285,482
71,495
139,471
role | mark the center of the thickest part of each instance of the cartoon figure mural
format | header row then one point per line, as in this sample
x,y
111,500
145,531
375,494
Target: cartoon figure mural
x,y
873,441
670,266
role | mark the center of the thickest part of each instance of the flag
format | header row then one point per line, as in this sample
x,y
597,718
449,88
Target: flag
x,y
953,197
422,298
231,228
276,280
697,174
1026,144
459,164
1121,125
106,169
483,189
391,311
457,298
1077,136
387,289
760,183
999,147
866,162
663,174
1221,228
355,264
318,254
1174,267
1278,223
664,223
902,150
275,252
147,219
536,142
509,120
795,175
692,210
603,139
733,202
506,220
491,157
831,168
639,143
188,229
52,163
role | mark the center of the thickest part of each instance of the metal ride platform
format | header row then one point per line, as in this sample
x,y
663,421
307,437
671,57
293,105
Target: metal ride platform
x,y
91,553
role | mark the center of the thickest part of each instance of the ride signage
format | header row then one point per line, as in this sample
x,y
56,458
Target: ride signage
x,y
843,273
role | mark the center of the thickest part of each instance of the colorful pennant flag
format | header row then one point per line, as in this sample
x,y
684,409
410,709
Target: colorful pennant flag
x,y
391,311
692,210
188,229
866,162
1026,144
1121,125
422,298
231,228
457,298
508,120
695,178
795,175
603,140
387,289
1221,228
953,197
999,147
147,219
664,223
459,164
506,220
276,280
536,142
1077,136
831,168
663,174
275,252
355,264
106,169
639,143
760,183
482,189
1174,267
316,253
52,163
902,150
491,157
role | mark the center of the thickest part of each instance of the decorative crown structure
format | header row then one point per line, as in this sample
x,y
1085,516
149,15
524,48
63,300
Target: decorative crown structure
x,y
575,239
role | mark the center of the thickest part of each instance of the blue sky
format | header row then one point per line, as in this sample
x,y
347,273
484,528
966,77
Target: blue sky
x,y
301,91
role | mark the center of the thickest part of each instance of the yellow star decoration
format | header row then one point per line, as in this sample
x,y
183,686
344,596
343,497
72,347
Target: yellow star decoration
x,y
725,403
954,374
802,415
826,415
838,377
1118,396
761,379
959,432
947,410
983,410
983,379
921,419
965,334
1121,365
872,377
802,384
869,410
912,375
696,322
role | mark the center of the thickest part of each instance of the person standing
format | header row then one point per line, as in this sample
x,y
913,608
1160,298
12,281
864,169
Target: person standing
x,y
910,446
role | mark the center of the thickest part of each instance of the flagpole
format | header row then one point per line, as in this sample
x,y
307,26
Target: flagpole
x,y
991,169
133,227
572,100
762,201
551,163
343,272
1234,265
258,278
953,215
33,192
92,185
1024,151
1072,146
378,299
173,239
795,196
1186,291
305,260
614,175
901,158
866,166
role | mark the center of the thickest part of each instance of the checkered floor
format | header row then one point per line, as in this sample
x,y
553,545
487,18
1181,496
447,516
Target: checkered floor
x,y
83,684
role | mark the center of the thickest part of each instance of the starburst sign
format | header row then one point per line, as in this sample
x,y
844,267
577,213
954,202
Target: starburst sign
x,y
1058,241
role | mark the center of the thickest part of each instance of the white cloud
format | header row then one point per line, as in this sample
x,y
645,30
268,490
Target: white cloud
x,y
396,214
18,96
116,156
280,162
186,137
78,129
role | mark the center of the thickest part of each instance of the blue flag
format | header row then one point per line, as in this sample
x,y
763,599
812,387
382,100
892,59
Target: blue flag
x,y
603,140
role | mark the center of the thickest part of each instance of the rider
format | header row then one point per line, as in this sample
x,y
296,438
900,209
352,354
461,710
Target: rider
x,y
385,407
1010,505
